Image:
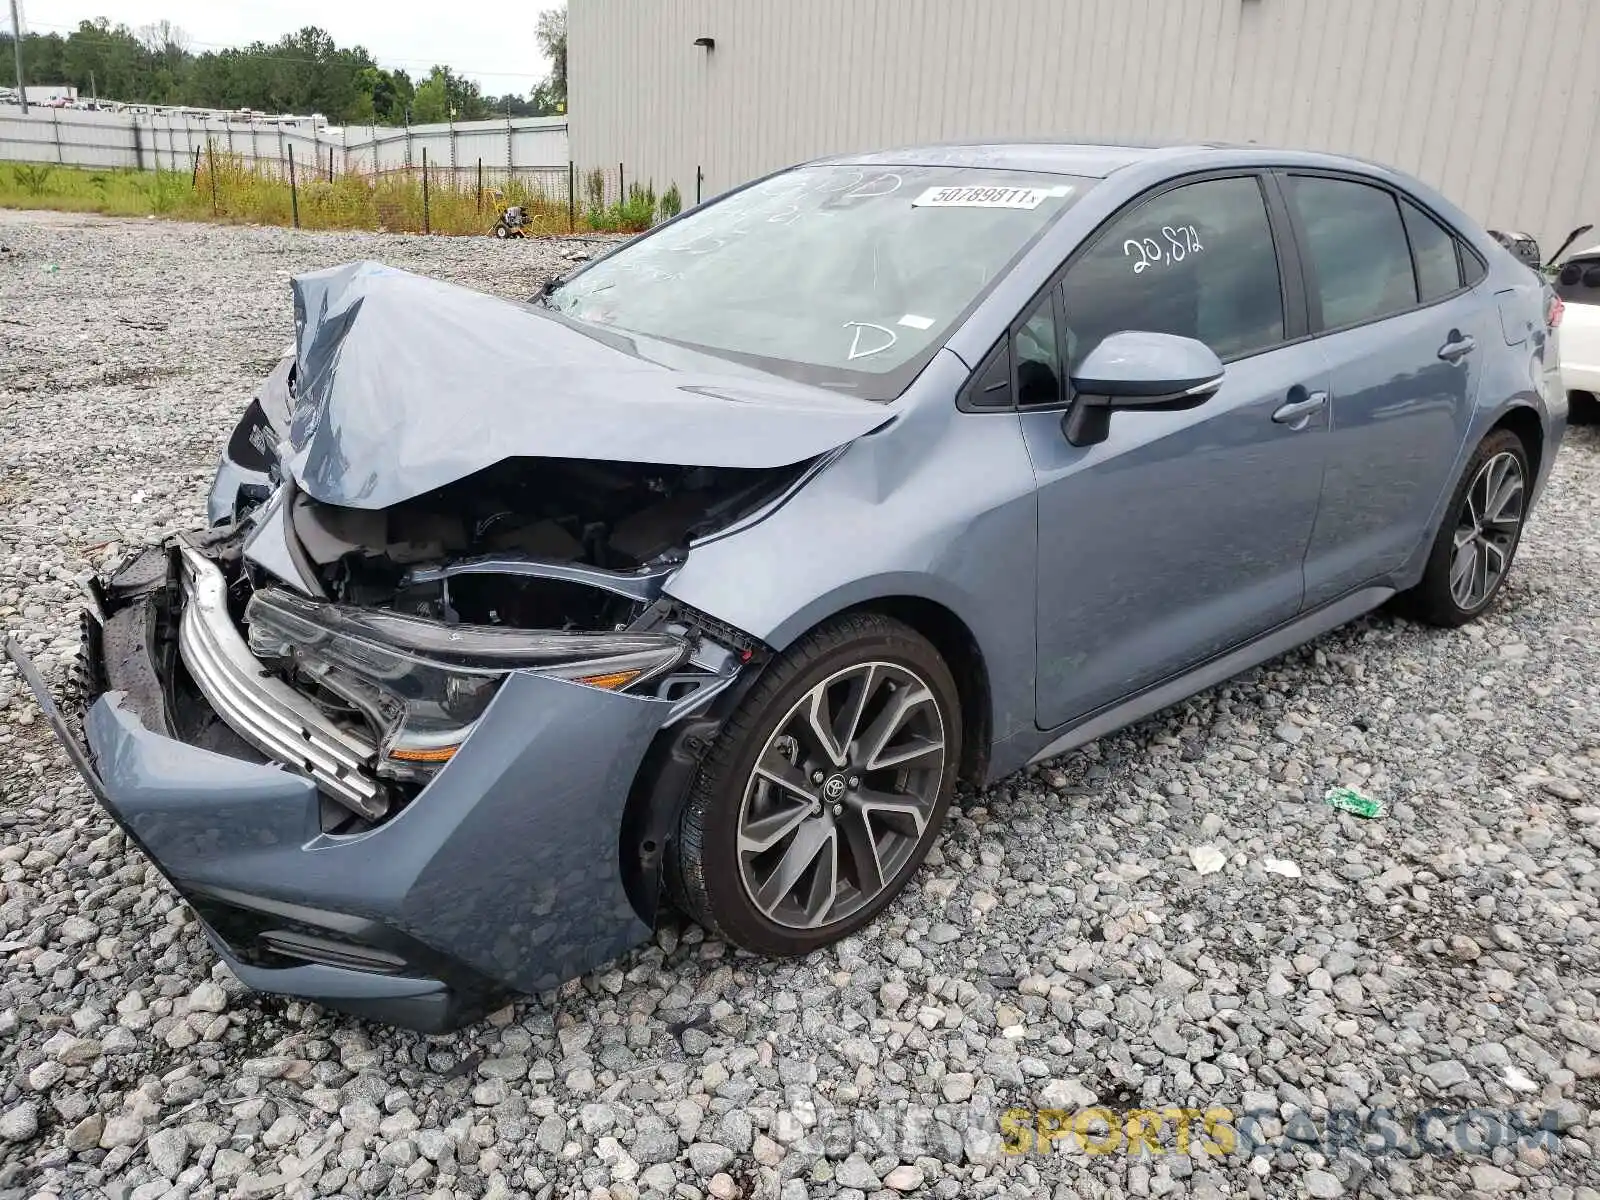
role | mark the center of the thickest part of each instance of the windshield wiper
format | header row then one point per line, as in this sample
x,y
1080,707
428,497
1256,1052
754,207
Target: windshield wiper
x,y
546,290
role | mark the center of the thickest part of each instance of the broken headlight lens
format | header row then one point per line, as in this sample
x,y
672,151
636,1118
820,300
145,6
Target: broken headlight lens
x,y
423,684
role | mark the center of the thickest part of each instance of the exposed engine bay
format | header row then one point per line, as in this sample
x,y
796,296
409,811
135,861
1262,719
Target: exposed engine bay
x,y
477,551
378,637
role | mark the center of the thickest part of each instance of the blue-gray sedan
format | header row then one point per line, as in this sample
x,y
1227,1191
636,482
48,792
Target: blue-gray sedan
x,y
706,575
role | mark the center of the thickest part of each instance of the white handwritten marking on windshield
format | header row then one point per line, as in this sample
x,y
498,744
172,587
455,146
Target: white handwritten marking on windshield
x,y
860,327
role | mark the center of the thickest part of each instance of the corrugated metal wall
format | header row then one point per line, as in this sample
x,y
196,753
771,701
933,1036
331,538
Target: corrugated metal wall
x,y
1496,102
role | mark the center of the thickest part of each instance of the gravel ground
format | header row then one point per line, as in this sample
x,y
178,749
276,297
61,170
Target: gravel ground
x,y
1072,942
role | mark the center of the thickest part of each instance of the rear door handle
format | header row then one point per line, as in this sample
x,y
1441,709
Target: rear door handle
x,y
1297,414
1457,348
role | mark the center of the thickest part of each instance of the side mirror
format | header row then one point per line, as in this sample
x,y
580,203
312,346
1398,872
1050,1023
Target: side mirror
x,y
1154,371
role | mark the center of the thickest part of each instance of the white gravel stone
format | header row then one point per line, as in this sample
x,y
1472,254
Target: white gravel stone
x,y
905,1178
167,1150
20,1122
124,1129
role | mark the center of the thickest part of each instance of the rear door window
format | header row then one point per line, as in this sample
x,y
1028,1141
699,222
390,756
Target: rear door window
x,y
1360,258
1434,248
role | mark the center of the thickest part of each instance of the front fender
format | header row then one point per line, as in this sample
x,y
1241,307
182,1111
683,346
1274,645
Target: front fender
x,y
939,506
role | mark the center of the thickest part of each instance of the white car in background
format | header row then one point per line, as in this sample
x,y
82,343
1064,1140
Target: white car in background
x,y
1578,285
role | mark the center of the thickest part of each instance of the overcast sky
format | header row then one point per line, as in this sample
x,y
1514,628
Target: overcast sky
x,y
491,42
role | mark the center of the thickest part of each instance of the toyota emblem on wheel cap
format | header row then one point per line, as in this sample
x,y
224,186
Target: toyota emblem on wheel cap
x,y
834,788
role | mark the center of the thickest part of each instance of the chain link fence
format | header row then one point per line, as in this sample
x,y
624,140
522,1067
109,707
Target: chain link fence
x,y
455,179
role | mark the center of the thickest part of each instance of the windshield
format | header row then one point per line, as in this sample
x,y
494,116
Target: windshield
x,y
848,277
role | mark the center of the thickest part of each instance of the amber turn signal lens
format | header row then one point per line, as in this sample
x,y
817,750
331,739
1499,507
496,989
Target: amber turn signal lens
x,y
611,681
432,754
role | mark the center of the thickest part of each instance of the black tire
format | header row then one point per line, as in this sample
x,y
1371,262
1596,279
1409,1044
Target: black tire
x,y
501,230
703,862
1583,408
1433,600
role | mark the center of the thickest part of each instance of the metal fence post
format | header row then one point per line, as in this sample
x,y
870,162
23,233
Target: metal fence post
x,y
330,164
294,190
211,159
622,191
426,227
699,178
194,179
55,132
480,185
572,197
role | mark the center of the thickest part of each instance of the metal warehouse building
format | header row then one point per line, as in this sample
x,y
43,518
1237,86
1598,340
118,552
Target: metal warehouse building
x,y
1496,102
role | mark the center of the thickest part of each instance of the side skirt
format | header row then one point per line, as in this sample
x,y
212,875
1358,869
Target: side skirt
x,y
1216,670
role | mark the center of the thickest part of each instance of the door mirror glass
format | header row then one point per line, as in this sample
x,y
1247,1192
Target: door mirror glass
x,y
1135,369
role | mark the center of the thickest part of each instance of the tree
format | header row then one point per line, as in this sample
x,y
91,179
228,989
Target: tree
x,y
551,34
446,96
382,96
512,105
303,72
163,39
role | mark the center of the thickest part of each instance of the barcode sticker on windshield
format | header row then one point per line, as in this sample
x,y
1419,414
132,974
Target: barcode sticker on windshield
x,y
971,196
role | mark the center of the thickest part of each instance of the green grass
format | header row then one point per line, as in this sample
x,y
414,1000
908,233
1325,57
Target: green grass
x,y
392,202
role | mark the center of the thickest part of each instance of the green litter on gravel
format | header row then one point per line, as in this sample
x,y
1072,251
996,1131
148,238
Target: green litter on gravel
x,y
1353,802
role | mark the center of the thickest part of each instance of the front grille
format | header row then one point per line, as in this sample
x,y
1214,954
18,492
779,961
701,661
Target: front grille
x,y
264,711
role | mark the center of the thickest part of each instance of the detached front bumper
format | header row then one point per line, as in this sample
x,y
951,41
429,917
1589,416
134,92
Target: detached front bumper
x,y
503,875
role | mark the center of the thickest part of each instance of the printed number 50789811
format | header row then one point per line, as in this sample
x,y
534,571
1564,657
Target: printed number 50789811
x,y
1174,245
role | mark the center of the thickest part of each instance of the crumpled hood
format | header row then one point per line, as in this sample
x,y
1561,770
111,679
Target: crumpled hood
x,y
405,384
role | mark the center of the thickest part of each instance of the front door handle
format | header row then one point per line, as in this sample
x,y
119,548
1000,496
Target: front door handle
x,y
1457,348
1297,414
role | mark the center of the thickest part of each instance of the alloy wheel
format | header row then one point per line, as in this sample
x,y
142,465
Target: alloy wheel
x,y
1486,531
841,795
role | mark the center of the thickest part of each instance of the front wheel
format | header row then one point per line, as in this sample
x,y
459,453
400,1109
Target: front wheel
x,y
1478,538
824,791
501,230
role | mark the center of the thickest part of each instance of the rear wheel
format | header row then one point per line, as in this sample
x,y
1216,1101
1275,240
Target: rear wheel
x,y
824,792
1478,539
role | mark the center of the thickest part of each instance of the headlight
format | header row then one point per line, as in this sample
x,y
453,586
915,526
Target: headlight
x,y
422,684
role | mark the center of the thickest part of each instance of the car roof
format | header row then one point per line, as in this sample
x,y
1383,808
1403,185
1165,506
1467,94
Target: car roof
x,y
1094,159
1087,158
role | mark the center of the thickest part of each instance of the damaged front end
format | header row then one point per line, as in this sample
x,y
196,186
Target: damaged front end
x,y
384,635
408,723
386,806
